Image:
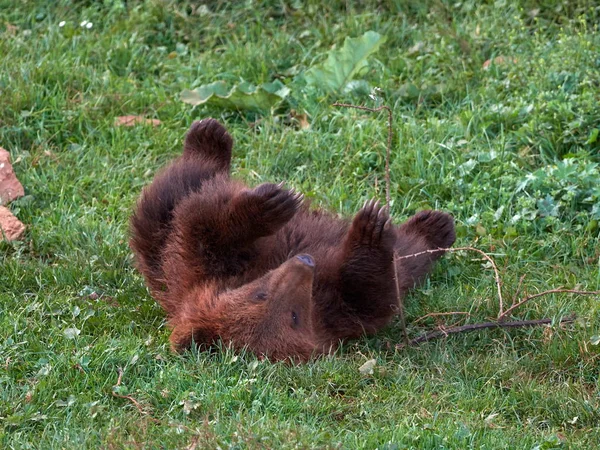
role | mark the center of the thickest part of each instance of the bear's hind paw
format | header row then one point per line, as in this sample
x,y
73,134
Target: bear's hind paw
x,y
436,227
209,139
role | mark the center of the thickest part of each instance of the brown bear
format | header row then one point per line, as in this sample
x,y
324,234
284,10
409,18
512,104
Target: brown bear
x,y
256,268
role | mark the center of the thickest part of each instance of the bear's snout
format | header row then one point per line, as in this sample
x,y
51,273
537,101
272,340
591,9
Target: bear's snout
x,y
306,259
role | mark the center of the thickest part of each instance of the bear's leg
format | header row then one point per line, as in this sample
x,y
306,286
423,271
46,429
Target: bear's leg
x,y
367,273
214,229
151,222
210,140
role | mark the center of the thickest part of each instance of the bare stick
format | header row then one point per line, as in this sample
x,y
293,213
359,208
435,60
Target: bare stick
x,y
142,411
518,291
438,314
479,326
131,399
194,444
389,141
473,249
500,323
551,291
399,301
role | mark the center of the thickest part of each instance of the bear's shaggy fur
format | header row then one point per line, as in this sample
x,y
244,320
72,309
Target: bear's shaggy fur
x,y
255,267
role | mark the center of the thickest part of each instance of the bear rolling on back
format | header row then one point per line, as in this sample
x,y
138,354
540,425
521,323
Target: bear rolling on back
x,y
256,268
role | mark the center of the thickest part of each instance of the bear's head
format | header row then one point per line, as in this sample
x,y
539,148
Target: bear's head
x,y
270,316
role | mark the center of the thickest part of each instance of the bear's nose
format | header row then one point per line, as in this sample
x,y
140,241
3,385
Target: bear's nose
x,y
307,259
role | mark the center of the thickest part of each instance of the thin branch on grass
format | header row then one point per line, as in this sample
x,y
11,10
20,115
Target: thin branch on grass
x,y
472,249
518,291
194,444
147,414
482,325
503,316
438,314
131,399
501,320
400,303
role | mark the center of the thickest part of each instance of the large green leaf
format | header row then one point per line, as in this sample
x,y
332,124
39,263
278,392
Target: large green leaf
x,y
343,64
244,96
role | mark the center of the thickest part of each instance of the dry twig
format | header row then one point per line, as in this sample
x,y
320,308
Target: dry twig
x,y
473,249
194,444
501,319
148,415
438,314
482,325
399,301
131,399
503,316
518,291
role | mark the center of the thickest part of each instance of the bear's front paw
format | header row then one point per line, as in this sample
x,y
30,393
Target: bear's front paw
x,y
372,226
270,205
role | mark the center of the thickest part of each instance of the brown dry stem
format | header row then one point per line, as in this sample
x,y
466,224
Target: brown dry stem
x,y
131,399
472,249
400,303
144,412
540,294
480,326
500,322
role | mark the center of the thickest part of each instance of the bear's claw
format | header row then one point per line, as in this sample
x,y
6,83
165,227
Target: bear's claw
x,y
372,226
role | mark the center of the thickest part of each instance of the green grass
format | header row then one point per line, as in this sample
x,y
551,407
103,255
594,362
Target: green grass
x,y
487,145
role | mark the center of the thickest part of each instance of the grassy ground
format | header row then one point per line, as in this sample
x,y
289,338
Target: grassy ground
x,y
511,151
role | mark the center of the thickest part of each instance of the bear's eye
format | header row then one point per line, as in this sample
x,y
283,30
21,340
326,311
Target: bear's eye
x,y
295,320
260,296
